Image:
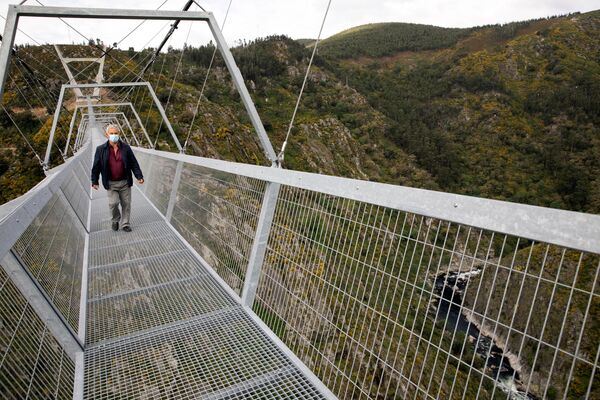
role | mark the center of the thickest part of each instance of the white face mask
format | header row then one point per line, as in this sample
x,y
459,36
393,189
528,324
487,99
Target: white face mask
x,y
113,138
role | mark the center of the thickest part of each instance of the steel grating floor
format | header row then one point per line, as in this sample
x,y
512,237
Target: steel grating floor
x,y
141,211
159,326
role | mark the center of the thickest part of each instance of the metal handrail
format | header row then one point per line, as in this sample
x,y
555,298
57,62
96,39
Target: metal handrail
x,y
570,229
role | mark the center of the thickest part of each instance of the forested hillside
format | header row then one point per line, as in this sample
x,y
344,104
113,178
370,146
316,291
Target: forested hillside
x,y
386,39
509,118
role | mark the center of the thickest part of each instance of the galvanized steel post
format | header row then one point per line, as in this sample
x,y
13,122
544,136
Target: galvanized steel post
x,y
53,129
174,189
71,130
259,247
10,28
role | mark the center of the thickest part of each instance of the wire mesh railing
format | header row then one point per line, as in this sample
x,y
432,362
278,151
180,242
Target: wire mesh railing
x,y
32,363
158,190
216,212
51,247
52,250
42,254
381,301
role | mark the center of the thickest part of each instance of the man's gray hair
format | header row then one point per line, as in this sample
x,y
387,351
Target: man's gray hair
x,y
110,126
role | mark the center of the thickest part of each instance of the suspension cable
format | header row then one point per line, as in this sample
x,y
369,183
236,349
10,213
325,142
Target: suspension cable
x,y
45,93
127,91
165,40
34,74
174,26
37,43
150,63
89,41
157,83
175,77
212,59
43,65
147,58
126,76
23,136
199,6
25,66
291,125
144,59
24,33
39,96
31,108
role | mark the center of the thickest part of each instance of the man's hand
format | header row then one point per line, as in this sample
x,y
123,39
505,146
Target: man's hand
x,y
95,187
141,181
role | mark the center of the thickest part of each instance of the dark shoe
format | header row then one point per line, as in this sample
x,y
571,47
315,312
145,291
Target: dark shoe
x,y
127,229
115,226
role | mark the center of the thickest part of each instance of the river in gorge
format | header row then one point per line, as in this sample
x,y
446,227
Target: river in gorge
x,y
448,308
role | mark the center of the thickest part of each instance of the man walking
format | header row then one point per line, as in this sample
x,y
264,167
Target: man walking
x,y
115,161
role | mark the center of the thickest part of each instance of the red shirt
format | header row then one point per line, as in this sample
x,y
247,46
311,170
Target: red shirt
x,y
115,164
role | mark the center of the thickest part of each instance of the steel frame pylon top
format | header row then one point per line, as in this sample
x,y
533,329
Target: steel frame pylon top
x,y
15,12
78,107
107,85
99,75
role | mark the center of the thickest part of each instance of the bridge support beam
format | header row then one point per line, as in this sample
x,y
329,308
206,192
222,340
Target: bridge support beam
x,y
8,39
80,134
53,129
79,107
259,247
114,116
238,80
174,189
73,118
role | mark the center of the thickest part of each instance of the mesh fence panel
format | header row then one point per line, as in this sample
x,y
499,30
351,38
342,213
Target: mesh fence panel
x,y
217,213
159,174
32,363
51,249
385,304
77,194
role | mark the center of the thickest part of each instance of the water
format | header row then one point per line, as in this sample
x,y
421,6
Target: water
x,y
449,309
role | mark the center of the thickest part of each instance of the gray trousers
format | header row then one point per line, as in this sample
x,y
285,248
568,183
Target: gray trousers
x,y
119,193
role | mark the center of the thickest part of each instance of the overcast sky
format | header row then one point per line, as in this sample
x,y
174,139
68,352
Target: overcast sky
x,y
249,19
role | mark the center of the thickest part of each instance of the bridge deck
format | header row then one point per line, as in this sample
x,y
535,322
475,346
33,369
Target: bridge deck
x,y
160,326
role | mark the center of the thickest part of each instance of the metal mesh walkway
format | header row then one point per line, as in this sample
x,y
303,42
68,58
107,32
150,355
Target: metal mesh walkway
x,y
160,326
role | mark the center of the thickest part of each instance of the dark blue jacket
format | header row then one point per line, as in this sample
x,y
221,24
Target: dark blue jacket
x,y
100,165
